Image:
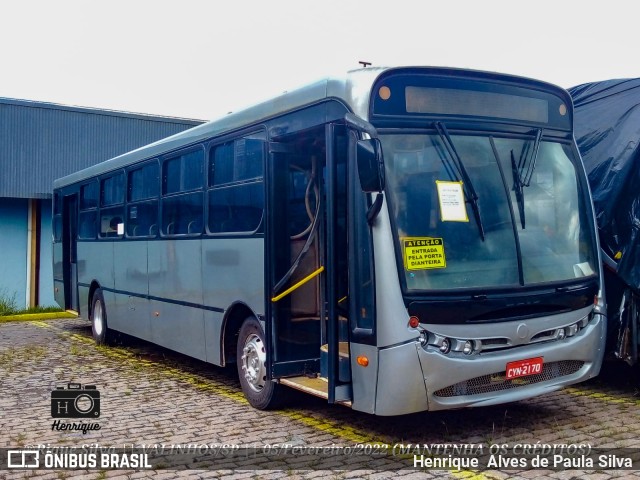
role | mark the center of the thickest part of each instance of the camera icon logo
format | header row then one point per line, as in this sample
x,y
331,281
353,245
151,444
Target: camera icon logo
x,y
75,401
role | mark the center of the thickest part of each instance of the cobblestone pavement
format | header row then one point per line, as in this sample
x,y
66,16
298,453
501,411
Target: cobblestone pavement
x,y
151,396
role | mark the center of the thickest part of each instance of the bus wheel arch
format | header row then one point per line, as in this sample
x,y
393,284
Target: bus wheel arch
x,y
234,317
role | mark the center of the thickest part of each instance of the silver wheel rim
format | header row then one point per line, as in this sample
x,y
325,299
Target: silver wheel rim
x,y
253,362
98,318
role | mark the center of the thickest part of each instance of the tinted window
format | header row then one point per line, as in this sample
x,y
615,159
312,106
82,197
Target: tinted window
x,y
183,173
143,182
89,195
236,199
111,222
182,214
113,190
87,225
237,208
142,219
236,161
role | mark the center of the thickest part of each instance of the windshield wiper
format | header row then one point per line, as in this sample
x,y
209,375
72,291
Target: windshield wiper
x,y
523,171
469,192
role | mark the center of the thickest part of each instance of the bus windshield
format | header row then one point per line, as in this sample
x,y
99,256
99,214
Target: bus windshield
x,y
446,242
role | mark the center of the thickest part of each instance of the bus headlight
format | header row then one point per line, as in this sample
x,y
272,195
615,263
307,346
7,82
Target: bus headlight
x,y
445,346
572,330
468,347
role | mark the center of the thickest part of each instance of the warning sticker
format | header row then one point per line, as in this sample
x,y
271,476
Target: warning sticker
x,y
421,253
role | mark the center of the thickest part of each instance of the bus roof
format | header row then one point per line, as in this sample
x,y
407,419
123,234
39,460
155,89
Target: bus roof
x,y
352,88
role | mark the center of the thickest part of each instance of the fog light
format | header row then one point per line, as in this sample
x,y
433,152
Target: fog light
x,y
445,345
424,337
561,334
468,347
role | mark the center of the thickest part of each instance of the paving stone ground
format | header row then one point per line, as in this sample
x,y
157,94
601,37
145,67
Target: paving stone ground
x,y
152,397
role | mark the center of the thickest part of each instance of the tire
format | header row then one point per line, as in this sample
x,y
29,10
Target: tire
x,y
251,357
101,333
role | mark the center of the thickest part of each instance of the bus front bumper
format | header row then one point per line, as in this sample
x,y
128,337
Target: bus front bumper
x,y
458,380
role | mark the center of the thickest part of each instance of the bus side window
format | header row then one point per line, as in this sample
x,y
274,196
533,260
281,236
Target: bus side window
x,y
88,211
236,192
182,201
236,208
182,214
112,206
87,225
142,210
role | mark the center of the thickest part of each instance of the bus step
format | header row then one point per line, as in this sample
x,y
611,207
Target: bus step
x,y
317,386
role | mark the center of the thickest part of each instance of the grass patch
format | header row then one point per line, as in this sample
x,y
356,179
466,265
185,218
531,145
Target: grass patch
x,y
8,304
12,312
40,309
9,307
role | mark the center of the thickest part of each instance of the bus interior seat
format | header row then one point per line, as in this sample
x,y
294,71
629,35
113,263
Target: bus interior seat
x,y
194,227
218,216
153,230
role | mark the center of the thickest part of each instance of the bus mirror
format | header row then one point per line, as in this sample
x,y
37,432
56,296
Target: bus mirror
x,y
370,165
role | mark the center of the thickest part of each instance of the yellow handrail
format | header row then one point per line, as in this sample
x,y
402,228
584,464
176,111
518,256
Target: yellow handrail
x,y
297,285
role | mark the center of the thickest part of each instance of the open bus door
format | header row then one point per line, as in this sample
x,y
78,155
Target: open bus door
x,y
307,263
69,253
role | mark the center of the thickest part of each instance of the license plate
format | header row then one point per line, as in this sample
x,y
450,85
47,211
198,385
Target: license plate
x,y
522,368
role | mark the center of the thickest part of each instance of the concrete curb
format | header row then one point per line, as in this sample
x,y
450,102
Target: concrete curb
x,y
27,317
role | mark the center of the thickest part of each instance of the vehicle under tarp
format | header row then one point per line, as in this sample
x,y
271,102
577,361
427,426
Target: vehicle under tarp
x,y
607,130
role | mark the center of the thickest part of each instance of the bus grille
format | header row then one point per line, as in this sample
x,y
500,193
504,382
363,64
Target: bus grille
x,y
498,381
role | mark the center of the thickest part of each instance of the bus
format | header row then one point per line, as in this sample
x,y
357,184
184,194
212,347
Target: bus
x,y
395,240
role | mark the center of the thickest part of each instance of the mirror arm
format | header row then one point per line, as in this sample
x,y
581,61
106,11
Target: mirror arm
x,y
360,125
375,208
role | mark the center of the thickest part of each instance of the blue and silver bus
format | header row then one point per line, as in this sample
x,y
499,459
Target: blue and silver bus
x,y
395,240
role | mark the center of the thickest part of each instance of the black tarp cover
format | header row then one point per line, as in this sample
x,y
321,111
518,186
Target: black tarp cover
x,y
607,129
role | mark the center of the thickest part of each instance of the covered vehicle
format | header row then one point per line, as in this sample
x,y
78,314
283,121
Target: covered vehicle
x,y
607,129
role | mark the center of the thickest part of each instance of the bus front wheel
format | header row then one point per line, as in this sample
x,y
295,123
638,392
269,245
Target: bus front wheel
x,y
251,357
101,333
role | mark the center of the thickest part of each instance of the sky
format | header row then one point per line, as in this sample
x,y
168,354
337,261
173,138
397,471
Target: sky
x,y
203,58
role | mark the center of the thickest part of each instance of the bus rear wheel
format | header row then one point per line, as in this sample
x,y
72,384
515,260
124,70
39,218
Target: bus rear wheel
x,y
99,328
261,393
